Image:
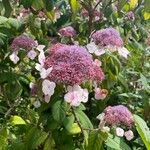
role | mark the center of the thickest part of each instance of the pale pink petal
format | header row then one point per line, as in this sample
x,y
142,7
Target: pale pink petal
x,y
47,98
123,52
48,87
45,72
37,104
32,54
14,58
41,58
129,135
119,132
40,48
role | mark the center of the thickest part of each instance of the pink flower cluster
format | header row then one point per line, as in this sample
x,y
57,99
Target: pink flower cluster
x,y
118,115
71,65
107,37
23,42
130,16
97,14
67,31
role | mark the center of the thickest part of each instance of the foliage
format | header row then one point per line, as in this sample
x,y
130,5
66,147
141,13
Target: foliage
x,y
31,119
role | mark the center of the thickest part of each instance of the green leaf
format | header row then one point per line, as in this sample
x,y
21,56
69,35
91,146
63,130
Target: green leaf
x,y
116,143
133,3
35,138
14,23
143,130
74,6
68,122
145,83
3,138
49,143
59,111
95,140
83,119
49,5
13,90
8,8
38,5
26,3
3,20
17,120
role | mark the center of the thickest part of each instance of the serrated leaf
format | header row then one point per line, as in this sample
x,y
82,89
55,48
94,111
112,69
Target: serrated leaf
x,y
17,120
116,143
143,130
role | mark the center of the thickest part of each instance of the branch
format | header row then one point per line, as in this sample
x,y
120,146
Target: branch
x,y
97,4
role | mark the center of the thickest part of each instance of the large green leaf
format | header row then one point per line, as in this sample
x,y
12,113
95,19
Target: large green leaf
x,y
35,138
17,120
96,139
7,6
49,5
3,139
116,143
83,119
59,111
143,130
49,143
74,5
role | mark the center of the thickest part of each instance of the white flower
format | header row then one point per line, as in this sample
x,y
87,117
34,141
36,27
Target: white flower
x,y
48,88
47,98
38,67
45,72
93,48
123,52
129,135
31,85
76,95
72,98
37,104
100,116
14,58
119,132
41,58
32,54
40,48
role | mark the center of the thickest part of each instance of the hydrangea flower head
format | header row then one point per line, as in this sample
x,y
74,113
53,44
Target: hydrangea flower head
x,y
118,115
23,42
72,65
67,31
107,37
